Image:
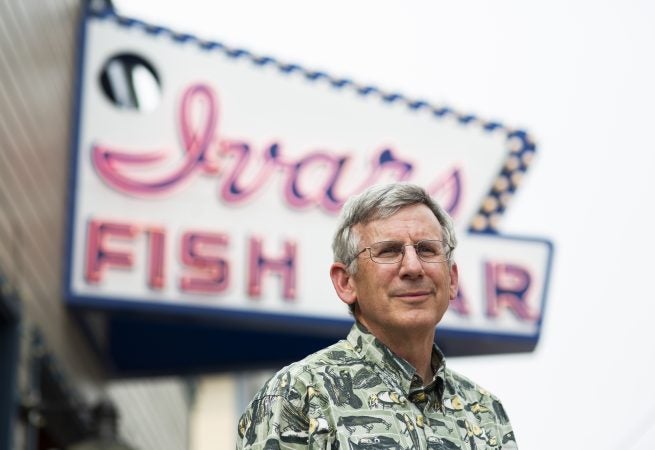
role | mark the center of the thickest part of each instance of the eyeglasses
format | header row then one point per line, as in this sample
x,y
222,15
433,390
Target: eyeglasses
x,y
392,252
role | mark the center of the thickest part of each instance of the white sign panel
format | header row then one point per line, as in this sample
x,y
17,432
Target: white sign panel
x,y
209,179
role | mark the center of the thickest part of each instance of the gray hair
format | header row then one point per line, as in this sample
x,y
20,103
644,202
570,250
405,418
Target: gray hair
x,y
380,202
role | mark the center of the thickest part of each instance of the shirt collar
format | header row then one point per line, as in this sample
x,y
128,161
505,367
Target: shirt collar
x,y
402,373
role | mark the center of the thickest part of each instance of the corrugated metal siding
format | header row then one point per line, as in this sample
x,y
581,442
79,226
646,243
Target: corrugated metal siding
x,y
37,52
34,124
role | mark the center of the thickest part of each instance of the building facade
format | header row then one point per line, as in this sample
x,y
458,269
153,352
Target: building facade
x,y
51,380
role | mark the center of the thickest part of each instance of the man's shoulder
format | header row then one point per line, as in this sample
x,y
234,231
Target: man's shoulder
x,y
465,387
300,375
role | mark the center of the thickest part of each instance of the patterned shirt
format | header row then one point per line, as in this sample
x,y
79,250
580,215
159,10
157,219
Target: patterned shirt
x,y
358,395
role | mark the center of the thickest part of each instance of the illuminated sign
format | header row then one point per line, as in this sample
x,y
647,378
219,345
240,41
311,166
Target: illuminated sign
x,y
208,181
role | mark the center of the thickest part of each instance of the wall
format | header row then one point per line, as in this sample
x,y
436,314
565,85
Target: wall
x,y
37,50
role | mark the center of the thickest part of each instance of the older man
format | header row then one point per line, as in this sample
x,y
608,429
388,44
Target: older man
x,y
387,385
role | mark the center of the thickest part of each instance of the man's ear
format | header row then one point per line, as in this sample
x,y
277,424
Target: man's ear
x,y
454,280
343,283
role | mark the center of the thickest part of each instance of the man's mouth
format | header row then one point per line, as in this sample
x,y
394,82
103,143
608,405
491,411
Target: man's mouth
x,y
412,294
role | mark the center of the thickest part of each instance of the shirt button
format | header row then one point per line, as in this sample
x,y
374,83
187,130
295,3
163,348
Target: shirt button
x,y
418,397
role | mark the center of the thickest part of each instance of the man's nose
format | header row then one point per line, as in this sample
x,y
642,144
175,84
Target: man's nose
x,y
410,265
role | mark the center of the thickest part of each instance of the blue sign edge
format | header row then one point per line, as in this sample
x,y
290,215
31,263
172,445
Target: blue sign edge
x,y
254,319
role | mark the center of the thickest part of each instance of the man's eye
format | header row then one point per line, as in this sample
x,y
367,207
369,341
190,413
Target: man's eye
x,y
388,250
427,249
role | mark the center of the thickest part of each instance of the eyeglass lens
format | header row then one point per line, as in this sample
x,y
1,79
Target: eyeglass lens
x,y
393,251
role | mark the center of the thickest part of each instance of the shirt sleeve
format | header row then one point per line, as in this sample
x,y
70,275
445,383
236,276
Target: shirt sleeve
x,y
506,433
271,423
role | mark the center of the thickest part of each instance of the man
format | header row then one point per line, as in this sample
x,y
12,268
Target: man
x,y
387,385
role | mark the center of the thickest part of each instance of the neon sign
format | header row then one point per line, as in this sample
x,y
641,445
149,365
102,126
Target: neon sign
x,y
221,199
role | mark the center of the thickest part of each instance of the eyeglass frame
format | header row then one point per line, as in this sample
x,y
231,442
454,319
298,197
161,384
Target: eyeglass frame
x,y
448,250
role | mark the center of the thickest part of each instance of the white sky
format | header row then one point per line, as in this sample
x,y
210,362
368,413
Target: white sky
x,y
580,77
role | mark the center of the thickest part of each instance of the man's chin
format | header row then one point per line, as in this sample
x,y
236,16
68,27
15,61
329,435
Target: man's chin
x,y
418,322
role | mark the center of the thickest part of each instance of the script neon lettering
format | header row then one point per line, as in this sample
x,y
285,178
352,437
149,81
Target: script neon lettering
x,y
204,150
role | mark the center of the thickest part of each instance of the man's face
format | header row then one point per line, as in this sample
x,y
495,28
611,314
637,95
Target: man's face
x,y
411,295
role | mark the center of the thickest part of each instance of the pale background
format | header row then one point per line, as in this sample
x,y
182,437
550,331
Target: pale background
x,y
579,76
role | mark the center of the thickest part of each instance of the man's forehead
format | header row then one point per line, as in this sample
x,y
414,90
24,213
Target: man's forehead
x,y
409,219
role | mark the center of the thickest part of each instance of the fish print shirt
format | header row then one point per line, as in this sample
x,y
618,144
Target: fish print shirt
x,y
358,395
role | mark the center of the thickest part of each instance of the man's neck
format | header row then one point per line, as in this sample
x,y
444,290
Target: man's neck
x,y
414,347
418,353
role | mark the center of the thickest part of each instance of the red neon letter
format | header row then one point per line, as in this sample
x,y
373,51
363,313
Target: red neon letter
x,y
460,304
156,257
98,256
508,286
215,270
285,267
